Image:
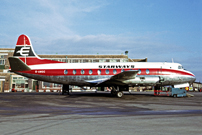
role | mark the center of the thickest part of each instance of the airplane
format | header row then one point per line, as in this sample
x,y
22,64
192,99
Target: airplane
x,y
118,76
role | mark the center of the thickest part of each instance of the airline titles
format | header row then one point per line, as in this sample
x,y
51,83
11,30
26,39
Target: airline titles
x,y
116,66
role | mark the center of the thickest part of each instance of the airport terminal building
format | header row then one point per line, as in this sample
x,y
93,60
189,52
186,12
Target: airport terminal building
x,y
13,82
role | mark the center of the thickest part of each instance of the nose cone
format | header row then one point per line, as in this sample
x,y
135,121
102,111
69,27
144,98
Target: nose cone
x,y
192,78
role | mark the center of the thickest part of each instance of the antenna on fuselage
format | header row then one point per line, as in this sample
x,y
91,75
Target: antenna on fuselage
x,y
172,60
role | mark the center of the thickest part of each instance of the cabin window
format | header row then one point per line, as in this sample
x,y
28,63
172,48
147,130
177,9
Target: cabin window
x,y
90,71
99,71
65,71
107,71
114,71
122,70
74,71
147,71
139,71
82,71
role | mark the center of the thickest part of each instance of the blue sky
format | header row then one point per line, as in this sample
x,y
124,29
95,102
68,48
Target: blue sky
x,y
160,30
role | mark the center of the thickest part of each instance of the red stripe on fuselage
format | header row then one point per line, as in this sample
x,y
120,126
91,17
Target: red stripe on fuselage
x,y
60,72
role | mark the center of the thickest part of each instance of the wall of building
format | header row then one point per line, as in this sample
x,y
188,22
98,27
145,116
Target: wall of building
x,y
197,86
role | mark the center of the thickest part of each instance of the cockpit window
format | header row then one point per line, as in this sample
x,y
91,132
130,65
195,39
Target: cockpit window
x,y
180,67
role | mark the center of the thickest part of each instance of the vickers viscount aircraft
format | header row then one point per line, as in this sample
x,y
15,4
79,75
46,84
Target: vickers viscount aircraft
x,y
119,76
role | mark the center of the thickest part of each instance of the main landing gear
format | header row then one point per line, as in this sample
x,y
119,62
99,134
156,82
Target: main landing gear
x,y
65,89
118,91
118,94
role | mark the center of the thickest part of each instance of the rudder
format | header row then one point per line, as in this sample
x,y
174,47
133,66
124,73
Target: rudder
x,y
24,47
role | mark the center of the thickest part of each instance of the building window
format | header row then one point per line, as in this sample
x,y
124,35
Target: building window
x,y
50,85
107,71
75,61
46,84
112,60
85,61
19,83
102,60
57,85
95,61
2,62
114,71
65,60
74,71
82,71
90,71
15,78
147,71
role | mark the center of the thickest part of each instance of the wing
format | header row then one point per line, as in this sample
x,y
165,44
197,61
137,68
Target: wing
x,y
130,74
116,79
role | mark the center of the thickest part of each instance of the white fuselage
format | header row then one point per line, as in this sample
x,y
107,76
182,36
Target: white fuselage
x,y
149,73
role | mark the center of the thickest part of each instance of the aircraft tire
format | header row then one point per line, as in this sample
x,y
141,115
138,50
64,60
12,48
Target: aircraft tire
x,y
119,94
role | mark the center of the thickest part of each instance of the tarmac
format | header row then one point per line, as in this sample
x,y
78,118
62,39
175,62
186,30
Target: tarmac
x,y
90,113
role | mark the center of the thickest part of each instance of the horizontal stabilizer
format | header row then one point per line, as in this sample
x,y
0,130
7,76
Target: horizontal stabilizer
x,y
17,64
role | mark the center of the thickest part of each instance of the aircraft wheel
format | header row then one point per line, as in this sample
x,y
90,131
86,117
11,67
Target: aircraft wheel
x,y
119,94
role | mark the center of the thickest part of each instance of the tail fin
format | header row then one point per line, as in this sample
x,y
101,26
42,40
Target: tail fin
x,y
25,52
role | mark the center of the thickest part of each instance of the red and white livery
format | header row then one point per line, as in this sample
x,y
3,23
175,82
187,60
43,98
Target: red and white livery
x,y
119,76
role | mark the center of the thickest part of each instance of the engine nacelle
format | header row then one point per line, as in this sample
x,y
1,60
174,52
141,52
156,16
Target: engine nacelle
x,y
142,80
